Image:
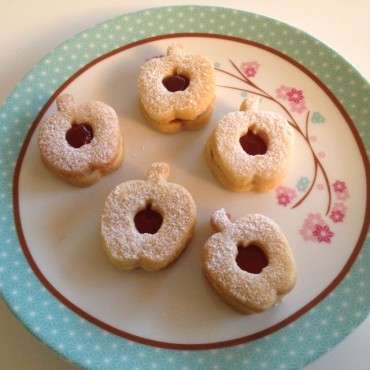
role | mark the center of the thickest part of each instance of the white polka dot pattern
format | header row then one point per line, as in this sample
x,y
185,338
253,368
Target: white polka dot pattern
x,y
89,346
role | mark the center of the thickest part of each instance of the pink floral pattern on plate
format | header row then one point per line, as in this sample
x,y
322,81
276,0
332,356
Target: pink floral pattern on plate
x,y
338,212
322,233
285,195
315,229
289,99
339,186
336,215
314,226
250,69
341,190
294,96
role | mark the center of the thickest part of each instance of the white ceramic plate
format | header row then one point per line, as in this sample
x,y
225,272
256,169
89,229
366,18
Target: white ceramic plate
x,y
320,206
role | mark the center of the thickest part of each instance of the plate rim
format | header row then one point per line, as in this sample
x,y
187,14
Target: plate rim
x,y
139,13
160,343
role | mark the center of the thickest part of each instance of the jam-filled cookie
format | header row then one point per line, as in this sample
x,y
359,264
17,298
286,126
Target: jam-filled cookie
x,y
177,91
81,143
250,149
248,262
147,223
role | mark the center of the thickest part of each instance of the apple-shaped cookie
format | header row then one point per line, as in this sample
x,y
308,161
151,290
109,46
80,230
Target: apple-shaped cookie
x,y
250,149
147,223
81,143
248,262
177,90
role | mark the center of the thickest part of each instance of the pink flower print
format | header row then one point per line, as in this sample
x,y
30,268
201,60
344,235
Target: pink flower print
x,y
285,195
336,215
339,186
340,207
298,107
283,199
250,68
315,229
338,212
341,190
314,219
282,92
285,190
306,233
309,224
342,196
295,96
323,233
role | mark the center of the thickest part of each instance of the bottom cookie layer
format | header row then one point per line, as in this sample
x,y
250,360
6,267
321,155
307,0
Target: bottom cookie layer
x,y
180,125
128,265
226,181
94,175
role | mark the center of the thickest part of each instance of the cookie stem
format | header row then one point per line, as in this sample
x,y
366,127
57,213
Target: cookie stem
x,y
250,103
175,49
65,103
220,220
158,171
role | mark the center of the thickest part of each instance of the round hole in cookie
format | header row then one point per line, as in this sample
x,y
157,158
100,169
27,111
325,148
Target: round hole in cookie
x,y
79,134
148,220
253,143
251,258
176,82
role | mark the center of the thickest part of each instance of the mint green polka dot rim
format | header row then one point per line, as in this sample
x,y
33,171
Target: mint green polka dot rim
x,y
87,345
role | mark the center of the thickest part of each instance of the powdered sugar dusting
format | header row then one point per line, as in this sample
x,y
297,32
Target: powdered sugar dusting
x,y
220,220
244,169
255,292
125,244
158,171
101,151
164,106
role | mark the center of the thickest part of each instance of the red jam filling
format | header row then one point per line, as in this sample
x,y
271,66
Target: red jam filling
x,y
251,258
253,144
79,134
176,83
148,220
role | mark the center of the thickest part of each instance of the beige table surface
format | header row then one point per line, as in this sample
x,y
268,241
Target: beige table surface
x,y
30,29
